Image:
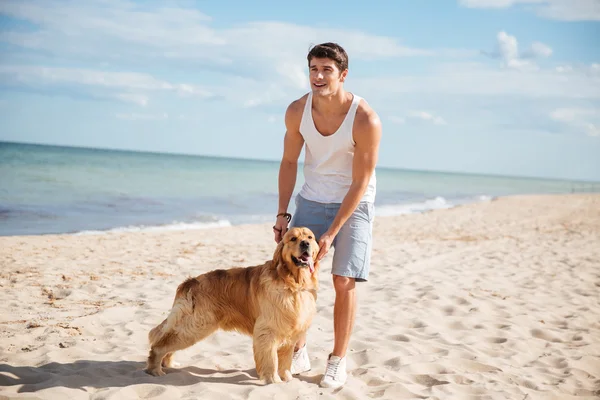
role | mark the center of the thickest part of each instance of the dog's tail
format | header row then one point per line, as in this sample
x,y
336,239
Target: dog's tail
x,y
183,305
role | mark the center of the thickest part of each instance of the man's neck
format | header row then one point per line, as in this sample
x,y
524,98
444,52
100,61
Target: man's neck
x,y
332,104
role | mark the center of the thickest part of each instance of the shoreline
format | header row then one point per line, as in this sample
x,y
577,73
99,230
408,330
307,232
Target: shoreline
x,y
493,300
222,223
216,221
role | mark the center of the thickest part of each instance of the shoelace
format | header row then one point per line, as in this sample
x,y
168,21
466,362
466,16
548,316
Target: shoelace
x,y
332,368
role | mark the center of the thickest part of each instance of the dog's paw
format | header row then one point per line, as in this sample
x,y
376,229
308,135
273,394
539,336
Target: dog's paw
x,y
170,364
286,376
155,372
272,379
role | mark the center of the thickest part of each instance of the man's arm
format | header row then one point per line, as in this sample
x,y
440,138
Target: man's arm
x,y
366,151
292,146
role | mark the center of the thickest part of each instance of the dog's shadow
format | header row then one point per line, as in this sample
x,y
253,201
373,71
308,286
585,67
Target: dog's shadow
x,y
106,374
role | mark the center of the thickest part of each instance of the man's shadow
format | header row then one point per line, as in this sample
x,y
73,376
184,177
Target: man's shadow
x,y
105,374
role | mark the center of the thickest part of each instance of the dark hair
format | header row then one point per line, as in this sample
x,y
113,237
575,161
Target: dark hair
x,y
333,51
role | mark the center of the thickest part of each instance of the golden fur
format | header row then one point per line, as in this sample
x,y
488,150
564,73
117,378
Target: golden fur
x,y
274,303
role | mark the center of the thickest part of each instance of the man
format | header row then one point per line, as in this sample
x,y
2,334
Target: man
x,y
342,135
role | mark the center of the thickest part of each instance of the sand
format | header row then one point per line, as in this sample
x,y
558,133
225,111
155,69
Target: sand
x,y
495,300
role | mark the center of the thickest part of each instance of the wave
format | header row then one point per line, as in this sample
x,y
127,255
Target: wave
x,y
175,226
436,203
383,210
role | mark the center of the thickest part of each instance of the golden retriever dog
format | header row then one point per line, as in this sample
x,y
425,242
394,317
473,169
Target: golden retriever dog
x,y
274,303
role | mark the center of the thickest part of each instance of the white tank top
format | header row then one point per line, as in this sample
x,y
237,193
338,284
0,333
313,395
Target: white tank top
x,y
328,159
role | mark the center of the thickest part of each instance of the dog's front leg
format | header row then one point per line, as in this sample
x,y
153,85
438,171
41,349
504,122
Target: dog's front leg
x,y
265,353
284,355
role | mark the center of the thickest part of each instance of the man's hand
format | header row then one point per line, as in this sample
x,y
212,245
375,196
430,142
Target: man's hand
x,y
324,245
280,228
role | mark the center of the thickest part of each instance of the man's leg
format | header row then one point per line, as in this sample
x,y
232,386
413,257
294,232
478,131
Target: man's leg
x,y
311,215
351,262
301,342
344,311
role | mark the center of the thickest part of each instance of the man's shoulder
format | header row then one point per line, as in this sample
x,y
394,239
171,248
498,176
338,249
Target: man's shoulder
x,y
293,114
366,117
297,106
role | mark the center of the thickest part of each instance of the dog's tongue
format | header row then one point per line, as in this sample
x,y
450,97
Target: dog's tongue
x,y
311,265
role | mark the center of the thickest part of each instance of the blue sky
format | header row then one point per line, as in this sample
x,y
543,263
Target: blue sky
x,y
506,87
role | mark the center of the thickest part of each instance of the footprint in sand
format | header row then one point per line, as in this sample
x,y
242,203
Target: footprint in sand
x,y
427,380
496,340
360,357
557,362
393,363
461,301
460,380
448,310
474,366
360,372
527,384
539,334
377,382
416,324
457,325
399,338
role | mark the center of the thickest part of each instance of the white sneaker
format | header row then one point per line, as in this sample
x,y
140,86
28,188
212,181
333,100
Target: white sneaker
x,y
335,375
300,361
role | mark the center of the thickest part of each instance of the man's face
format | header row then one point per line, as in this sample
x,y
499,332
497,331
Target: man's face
x,y
325,76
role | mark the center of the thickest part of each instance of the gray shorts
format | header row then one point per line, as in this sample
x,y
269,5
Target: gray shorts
x,y
352,245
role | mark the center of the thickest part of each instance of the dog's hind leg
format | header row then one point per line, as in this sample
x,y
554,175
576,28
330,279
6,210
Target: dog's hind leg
x,y
284,356
179,331
265,353
167,361
161,352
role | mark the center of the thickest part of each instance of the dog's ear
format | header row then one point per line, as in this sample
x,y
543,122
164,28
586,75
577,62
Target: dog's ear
x,y
278,254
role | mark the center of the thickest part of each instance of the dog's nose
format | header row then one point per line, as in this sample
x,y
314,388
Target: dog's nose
x,y
305,244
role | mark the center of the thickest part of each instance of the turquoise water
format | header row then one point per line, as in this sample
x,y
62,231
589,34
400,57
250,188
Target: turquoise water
x,y
50,189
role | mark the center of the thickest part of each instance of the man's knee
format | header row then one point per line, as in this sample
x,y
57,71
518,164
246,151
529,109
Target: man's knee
x,y
343,283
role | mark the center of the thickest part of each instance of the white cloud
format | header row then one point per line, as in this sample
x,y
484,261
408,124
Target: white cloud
x,y
564,68
479,79
397,120
426,116
129,87
592,129
540,50
161,27
120,29
417,115
579,119
571,114
262,93
495,3
138,99
56,75
565,10
508,51
133,35
142,117
294,73
570,10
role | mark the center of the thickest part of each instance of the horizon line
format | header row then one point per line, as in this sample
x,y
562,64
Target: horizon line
x,y
264,160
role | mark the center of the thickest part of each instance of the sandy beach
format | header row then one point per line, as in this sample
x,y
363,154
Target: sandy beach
x,y
495,300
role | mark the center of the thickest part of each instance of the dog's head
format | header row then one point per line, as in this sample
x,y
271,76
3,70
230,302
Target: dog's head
x,y
298,249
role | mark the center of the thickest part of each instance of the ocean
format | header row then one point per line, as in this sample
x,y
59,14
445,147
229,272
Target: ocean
x,y
52,189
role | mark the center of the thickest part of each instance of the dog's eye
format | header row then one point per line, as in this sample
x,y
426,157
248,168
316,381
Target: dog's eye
x,y
310,237
294,239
